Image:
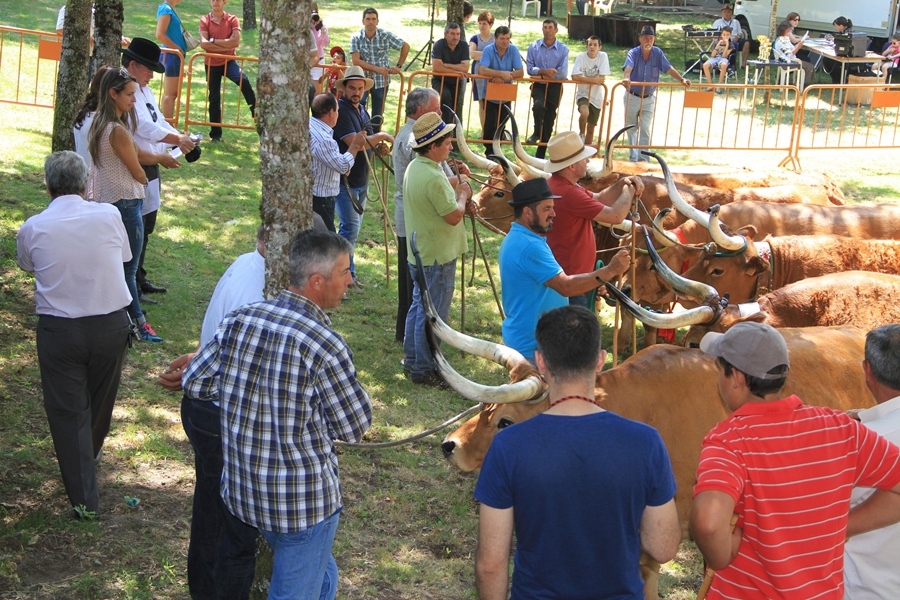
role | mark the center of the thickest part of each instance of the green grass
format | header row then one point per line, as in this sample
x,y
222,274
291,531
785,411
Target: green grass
x,y
409,525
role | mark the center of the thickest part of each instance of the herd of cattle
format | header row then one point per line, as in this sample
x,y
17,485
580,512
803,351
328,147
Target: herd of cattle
x,y
781,249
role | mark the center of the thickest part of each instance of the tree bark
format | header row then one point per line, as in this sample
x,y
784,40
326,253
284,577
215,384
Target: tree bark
x,y
249,20
455,13
108,17
72,79
283,122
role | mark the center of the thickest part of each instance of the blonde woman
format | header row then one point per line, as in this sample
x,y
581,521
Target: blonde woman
x,y
117,177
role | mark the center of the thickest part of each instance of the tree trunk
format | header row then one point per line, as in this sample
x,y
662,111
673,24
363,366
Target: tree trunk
x,y
108,17
283,122
72,80
454,13
249,20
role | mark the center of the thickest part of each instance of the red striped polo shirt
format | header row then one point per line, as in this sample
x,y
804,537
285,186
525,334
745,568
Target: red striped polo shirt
x,y
790,469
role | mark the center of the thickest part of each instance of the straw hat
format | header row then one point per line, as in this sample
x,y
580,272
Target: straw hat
x,y
354,73
428,128
566,149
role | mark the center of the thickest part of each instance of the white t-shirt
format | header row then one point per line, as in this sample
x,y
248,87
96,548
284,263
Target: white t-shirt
x,y
591,67
83,138
870,559
241,284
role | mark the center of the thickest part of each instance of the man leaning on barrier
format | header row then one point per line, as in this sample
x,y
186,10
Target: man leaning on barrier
x,y
451,56
220,33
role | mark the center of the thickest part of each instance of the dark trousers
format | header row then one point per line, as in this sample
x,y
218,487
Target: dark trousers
x,y
544,104
233,72
324,207
493,114
221,556
453,92
404,289
149,225
81,365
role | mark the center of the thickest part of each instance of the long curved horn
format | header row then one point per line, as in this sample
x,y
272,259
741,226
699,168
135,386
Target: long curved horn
x,y
530,388
694,316
472,158
662,236
607,157
497,150
729,242
533,172
719,237
524,157
705,294
511,176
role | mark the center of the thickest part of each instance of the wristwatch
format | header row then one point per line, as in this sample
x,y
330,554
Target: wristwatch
x,y
212,40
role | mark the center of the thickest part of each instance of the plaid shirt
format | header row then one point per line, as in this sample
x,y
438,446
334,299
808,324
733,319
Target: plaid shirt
x,y
287,388
375,51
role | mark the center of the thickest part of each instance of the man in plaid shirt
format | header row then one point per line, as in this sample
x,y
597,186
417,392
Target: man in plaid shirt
x,y
370,48
287,389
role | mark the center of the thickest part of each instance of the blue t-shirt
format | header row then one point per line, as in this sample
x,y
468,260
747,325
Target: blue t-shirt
x,y
647,70
578,487
174,30
510,61
526,264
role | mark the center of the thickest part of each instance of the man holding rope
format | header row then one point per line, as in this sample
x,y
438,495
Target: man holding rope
x,y
419,102
434,212
352,119
572,237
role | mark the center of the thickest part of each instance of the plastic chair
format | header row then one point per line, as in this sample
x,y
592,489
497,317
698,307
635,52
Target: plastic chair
x,y
526,3
785,72
603,6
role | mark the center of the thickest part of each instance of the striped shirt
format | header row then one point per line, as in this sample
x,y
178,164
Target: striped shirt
x,y
287,387
790,469
375,51
328,161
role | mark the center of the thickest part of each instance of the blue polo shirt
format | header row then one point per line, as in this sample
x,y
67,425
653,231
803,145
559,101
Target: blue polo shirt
x,y
646,70
510,61
526,265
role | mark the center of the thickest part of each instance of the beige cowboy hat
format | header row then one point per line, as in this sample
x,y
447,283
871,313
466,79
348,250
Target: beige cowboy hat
x,y
428,128
566,149
354,73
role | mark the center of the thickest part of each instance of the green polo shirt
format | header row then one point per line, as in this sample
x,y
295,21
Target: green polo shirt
x,y
427,198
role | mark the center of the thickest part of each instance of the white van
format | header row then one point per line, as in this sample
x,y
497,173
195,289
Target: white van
x,y
876,18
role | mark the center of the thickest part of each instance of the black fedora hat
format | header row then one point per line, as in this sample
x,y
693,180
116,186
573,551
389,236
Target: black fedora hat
x,y
145,52
531,190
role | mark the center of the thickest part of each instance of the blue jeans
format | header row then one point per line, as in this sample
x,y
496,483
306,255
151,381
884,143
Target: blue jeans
x,y
441,281
212,574
581,300
303,567
233,72
350,221
376,108
134,227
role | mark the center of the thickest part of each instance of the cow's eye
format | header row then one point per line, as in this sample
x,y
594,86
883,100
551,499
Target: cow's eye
x,y
499,194
504,422
717,272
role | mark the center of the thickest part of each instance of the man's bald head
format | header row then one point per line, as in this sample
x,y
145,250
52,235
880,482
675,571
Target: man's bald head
x,y
323,104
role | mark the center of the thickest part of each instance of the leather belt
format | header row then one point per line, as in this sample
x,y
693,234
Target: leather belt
x,y
639,95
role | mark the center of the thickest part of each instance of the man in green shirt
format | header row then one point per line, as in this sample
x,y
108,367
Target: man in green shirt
x,y
433,211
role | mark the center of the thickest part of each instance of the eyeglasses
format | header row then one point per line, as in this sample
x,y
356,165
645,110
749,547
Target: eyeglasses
x,y
152,112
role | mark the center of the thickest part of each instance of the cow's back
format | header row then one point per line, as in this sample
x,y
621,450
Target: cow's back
x,y
871,221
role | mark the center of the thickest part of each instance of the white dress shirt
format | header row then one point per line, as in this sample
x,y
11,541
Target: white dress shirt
x,y
241,284
76,250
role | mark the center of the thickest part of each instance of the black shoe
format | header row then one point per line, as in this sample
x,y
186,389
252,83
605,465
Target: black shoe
x,y
149,288
215,140
532,140
431,379
145,299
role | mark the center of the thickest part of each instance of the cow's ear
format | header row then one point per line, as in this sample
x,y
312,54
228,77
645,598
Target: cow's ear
x,y
748,231
756,265
757,317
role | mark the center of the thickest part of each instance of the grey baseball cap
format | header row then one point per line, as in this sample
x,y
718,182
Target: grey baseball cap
x,y
756,349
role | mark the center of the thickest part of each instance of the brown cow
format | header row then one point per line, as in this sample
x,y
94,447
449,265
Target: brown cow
x,y
778,261
859,298
674,389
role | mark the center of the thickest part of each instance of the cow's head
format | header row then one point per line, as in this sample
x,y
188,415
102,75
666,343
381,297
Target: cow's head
x,y
733,273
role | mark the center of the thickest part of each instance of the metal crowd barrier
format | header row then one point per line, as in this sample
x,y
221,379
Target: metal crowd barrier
x,y
29,62
234,113
848,116
519,98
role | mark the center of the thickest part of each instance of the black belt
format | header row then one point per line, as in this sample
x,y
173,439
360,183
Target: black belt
x,y
640,95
